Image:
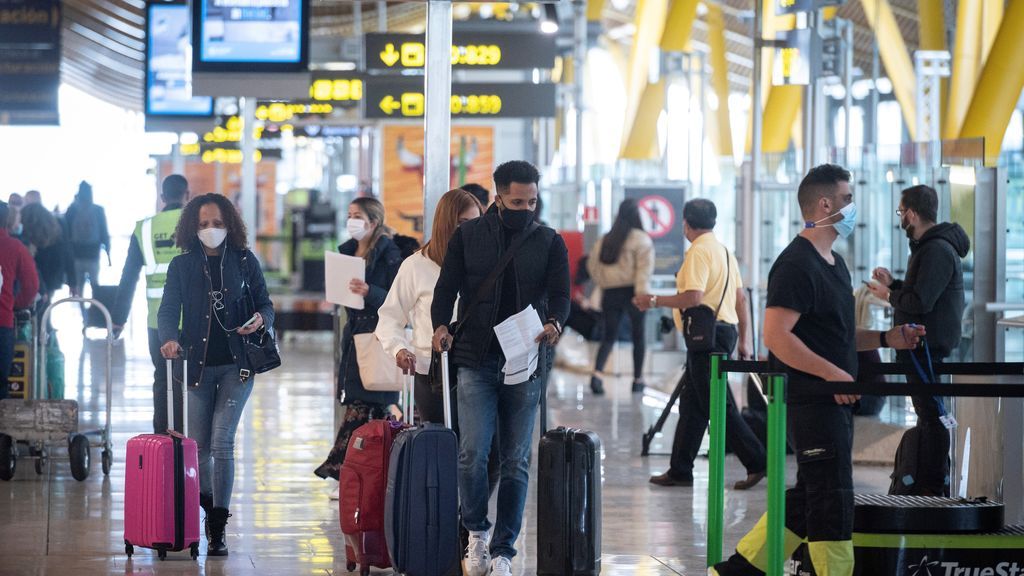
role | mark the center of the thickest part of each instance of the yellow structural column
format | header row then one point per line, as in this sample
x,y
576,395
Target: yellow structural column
x,y
780,115
649,20
999,86
931,35
720,77
966,64
656,26
895,57
991,19
594,10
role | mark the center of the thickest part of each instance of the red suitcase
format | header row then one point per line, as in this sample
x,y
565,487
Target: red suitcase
x,y
364,477
161,491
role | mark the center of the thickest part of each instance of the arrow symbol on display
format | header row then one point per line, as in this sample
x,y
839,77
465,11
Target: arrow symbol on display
x,y
389,55
389,104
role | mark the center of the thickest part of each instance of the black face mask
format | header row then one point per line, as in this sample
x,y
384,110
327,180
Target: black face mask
x,y
516,219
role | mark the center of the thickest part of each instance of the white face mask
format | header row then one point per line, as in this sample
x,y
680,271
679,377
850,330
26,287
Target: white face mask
x,y
357,228
212,237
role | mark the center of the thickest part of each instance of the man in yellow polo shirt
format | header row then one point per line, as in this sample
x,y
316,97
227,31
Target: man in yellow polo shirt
x,y
709,276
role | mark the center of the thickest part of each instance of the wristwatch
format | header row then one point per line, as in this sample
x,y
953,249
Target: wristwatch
x,y
654,300
558,325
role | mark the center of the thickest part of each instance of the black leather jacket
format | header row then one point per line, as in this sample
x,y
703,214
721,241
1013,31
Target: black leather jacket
x,y
188,295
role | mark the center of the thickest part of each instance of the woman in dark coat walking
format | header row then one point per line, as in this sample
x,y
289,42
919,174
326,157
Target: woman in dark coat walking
x,y
371,241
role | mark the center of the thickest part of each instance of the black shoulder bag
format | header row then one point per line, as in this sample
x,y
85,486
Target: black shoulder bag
x,y
485,288
260,346
699,321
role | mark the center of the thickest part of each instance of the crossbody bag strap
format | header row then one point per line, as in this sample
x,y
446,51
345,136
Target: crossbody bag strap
x,y
488,283
728,275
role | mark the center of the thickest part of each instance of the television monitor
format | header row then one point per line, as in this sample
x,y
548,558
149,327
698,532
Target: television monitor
x,y
169,64
250,35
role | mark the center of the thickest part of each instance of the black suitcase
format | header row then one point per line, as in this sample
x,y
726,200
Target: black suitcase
x,y
569,504
421,507
107,295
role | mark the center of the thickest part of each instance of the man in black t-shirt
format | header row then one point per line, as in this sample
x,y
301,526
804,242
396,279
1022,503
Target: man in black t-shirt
x,y
812,335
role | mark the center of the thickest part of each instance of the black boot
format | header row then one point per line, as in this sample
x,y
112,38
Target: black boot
x,y
206,503
218,523
596,386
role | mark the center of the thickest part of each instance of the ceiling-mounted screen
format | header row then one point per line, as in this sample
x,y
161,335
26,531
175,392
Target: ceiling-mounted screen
x,y
250,35
169,64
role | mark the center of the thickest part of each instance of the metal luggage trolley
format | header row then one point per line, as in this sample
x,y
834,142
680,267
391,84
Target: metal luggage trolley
x,y
42,421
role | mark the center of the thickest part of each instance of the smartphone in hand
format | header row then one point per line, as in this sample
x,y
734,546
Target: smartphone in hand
x,y
249,322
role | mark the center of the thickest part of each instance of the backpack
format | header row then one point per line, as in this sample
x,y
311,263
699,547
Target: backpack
x,y
85,227
917,470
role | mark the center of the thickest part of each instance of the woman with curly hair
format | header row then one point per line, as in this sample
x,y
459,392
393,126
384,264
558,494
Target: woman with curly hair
x,y
216,290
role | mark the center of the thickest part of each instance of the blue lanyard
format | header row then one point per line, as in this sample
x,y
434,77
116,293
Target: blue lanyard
x,y
928,378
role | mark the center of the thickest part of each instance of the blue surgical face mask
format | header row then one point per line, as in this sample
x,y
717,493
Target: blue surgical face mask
x,y
843,227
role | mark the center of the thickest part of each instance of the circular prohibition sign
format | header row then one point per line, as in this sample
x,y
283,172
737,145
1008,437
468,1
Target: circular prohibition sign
x,y
658,215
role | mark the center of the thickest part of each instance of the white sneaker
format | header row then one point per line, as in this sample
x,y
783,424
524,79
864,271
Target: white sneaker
x,y
478,554
336,493
501,566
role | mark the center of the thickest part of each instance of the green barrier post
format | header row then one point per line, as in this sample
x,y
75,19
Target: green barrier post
x,y
716,460
776,472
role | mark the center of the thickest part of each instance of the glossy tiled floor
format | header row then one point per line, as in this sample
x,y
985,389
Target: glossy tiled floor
x,y
283,522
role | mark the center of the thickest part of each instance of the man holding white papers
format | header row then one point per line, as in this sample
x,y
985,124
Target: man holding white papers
x,y
501,265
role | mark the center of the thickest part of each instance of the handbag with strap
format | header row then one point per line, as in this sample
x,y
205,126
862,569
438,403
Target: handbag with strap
x,y
485,288
699,321
260,347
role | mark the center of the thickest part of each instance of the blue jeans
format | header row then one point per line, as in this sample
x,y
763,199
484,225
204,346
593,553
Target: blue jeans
x,y
486,406
214,410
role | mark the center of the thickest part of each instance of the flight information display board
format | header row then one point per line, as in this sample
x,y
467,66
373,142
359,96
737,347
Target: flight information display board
x,y
251,35
169,64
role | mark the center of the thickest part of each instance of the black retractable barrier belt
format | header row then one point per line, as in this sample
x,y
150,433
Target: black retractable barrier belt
x,y
952,368
743,366
980,390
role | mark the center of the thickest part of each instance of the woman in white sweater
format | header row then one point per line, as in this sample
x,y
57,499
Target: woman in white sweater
x,y
621,264
408,302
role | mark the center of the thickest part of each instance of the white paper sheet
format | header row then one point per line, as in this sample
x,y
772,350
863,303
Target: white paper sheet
x,y
339,270
517,336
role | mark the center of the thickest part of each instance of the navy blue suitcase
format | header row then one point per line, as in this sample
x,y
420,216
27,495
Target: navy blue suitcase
x,y
421,509
569,503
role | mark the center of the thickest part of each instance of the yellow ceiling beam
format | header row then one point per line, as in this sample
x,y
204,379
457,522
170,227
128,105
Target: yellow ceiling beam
x,y
642,141
895,57
966,65
999,86
720,77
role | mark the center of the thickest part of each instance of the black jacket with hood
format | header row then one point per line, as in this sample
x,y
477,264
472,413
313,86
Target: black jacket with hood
x,y
932,294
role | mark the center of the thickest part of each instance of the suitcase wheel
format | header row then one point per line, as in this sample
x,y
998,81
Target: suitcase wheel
x,y
8,457
194,550
108,462
364,571
129,549
162,554
351,566
79,454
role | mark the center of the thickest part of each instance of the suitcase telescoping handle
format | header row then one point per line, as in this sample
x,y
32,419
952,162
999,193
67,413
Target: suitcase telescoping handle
x,y
408,398
446,392
184,395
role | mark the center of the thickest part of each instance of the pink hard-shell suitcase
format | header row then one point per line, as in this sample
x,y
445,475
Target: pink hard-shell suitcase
x,y
161,491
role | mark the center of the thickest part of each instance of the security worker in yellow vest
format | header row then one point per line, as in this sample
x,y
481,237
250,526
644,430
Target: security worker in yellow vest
x,y
152,248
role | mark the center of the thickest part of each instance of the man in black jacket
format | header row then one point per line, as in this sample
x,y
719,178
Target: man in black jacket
x,y
931,295
537,275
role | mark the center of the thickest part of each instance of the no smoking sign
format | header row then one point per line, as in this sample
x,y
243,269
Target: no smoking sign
x,y
658,216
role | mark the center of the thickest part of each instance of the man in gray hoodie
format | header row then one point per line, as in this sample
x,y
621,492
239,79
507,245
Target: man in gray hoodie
x,y
932,294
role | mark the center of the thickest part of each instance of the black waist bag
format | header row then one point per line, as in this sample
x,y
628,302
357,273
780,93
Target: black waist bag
x,y
699,321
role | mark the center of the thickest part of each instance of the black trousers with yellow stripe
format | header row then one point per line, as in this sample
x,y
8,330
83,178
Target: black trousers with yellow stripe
x,y
819,508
